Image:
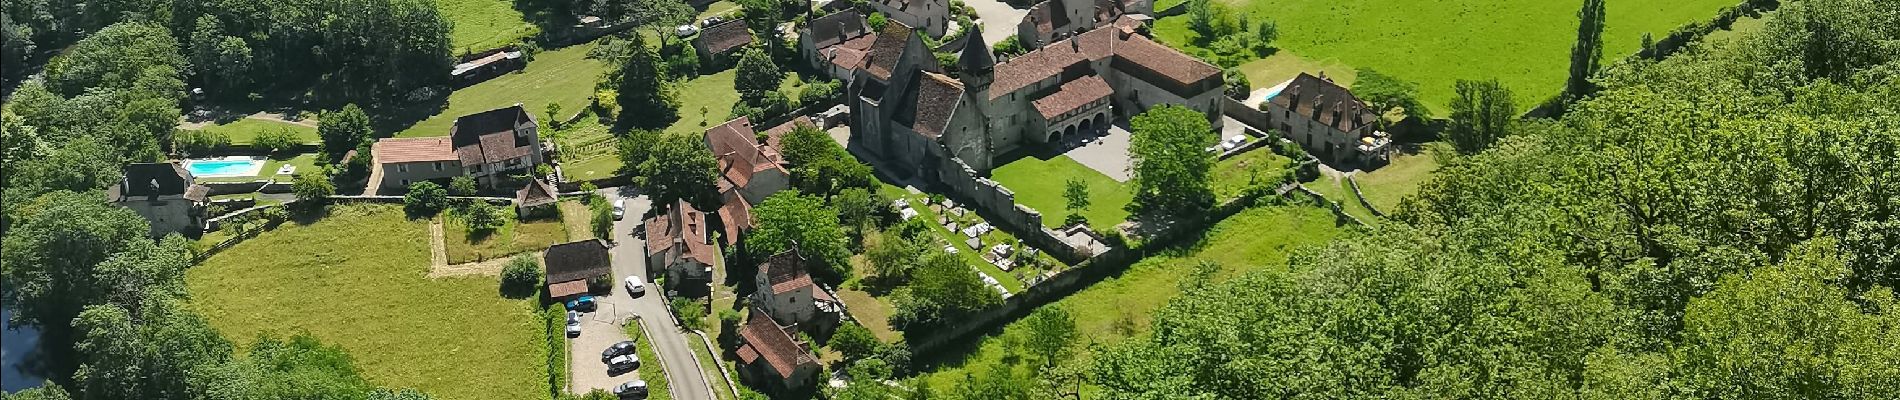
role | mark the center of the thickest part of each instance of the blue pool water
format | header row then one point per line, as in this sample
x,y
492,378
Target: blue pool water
x,y
204,168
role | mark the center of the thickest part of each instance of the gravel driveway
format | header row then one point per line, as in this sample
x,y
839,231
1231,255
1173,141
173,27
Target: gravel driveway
x,y
599,329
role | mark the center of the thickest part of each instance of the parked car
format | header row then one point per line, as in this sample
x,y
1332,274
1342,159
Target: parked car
x,y
686,30
710,21
620,209
573,324
636,389
616,350
583,303
622,363
635,287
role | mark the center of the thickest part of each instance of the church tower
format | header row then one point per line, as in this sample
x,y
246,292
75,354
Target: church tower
x,y
976,62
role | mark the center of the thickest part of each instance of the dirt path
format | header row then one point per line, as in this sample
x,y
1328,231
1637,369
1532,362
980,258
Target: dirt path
x,y
438,247
485,268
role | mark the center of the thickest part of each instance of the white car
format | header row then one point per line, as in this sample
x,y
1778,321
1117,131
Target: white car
x,y
620,209
686,30
573,324
635,287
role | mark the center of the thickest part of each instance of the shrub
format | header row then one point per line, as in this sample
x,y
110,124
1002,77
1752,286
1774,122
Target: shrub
x,y
729,321
855,342
821,92
425,199
483,217
313,188
276,140
603,220
193,143
462,186
589,192
521,277
692,314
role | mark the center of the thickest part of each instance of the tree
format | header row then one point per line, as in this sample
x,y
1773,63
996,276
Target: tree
x,y
1481,115
1210,20
692,314
1171,171
856,207
681,168
51,256
1075,194
855,342
1051,334
757,76
1586,55
116,58
635,147
789,217
223,61
343,130
483,218
944,287
892,257
462,185
521,277
1385,93
313,188
1265,34
276,141
762,16
425,199
1238,88
646,99
554,114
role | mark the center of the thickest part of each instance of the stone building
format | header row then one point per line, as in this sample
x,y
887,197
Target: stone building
x,y
1052,20
165,194
677,246
907,111
719,45
750,169
1328,121
569,266
771,360
489,146
931,16
784,291
538,199
836,43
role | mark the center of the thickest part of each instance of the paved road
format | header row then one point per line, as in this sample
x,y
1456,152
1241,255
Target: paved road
x,y
999,19
683,375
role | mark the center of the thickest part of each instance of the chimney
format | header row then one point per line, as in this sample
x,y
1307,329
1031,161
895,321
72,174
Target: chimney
x,y
152,190
1075,45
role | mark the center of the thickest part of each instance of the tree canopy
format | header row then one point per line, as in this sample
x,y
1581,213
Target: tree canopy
x,y
789,216
1171,169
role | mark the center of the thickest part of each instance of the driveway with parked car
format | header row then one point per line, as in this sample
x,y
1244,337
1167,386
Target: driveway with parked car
x,y
599,330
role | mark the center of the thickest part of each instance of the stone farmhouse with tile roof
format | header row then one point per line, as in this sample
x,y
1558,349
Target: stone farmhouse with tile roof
x,y
1052,20
771,359
906,110
1328,121
677,246
749,171
719,44
785,292
166,194
568,266
836,43
488,146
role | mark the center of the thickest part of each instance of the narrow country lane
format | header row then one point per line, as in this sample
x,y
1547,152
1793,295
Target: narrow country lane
x,y
667,339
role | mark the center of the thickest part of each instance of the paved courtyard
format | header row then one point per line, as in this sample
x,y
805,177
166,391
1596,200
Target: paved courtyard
x,y
1107,154
999,19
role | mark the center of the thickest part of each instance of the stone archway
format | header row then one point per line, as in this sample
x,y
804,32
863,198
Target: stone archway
x,y
1101,120
1068,132
1087,127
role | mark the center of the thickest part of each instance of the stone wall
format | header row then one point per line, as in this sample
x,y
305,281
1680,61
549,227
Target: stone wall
x,y
997,204
1252,117
224,188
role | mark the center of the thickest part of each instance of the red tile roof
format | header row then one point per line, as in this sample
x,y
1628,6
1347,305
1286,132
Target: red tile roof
x,y
693,228
1073,95
405,150
770,343
785,271
736,213
569,288
1152,60
740,155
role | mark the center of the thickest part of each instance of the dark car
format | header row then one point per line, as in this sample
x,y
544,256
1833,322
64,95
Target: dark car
x,y
582,304
617,349
636,389
622,363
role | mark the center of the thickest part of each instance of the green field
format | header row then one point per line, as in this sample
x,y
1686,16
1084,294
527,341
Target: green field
x,y
1118,307
1039,184
1385,187
356,279
564,76
484,24
303,162
243,130
1257,167
513,237
1434,43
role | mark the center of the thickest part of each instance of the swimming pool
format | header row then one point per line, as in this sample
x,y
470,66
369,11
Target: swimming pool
x,y
224,167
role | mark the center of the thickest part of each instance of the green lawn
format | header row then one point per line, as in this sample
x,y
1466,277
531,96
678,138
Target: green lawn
x,y
873,313
1337,191
651,369
705,102
1235,174
588,150
1385,187
720,7
1284,65
356,279
513,237
1526,44
243,130
484,24
1118,307
563,76
1039,184
303,162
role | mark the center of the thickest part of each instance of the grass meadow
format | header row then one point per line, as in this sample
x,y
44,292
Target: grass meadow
x,y
484,24
513,237
1525,44
1121,307
244,130
356,278
565,76
1040,183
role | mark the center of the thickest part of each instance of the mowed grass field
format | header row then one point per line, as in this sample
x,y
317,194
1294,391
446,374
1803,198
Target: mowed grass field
x,y
484,24
355,279
565,76
1119,307
244,130
1040,184
1525,44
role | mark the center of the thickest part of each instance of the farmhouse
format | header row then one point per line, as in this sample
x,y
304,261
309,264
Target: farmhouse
x,y
1328,121
836,43
570,265
907,111
717,44
770,359
750,169
163,193
1051,20
931,16
487,145
786,293
677,247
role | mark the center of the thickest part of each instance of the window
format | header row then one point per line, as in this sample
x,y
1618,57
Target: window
x,y
405,182
402,168
438,165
